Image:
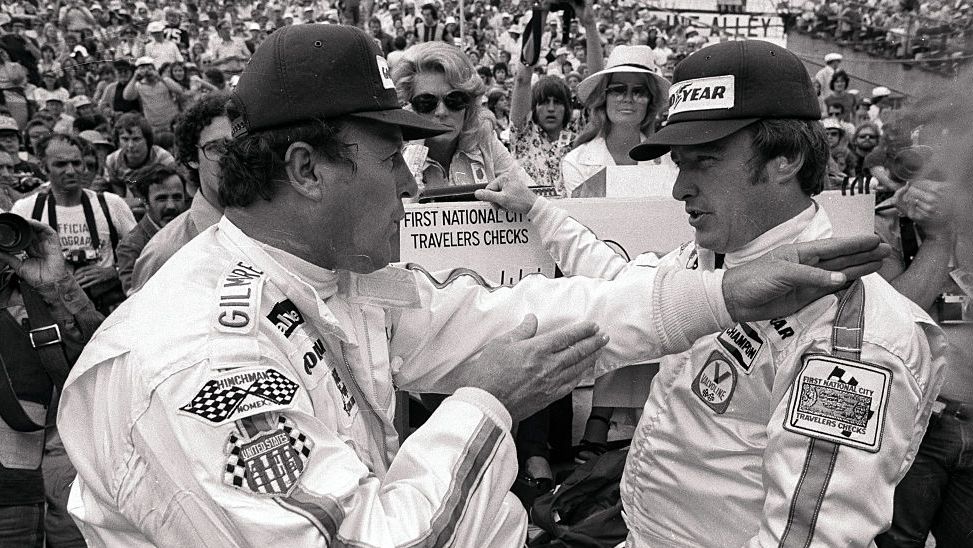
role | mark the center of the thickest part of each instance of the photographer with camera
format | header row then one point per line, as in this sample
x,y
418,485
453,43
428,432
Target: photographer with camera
x,y
160,95
45,321
90,224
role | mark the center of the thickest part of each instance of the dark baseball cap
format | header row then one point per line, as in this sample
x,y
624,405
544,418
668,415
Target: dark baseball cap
x,y
311,71
725,87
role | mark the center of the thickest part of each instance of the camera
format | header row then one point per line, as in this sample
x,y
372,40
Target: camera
x,y
80,257
15,233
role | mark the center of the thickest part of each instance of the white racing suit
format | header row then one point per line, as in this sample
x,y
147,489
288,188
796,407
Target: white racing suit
x,y
749,438
251,402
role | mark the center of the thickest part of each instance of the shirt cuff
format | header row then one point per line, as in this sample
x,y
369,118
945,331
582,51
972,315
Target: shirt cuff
x,y
689,304
486,402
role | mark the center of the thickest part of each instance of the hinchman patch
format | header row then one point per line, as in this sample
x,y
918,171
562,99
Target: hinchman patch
x,y
743,343
840,400
270,463
716,382
240,393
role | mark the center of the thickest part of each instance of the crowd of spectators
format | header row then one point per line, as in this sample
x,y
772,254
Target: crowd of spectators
x,y
124,99
935,34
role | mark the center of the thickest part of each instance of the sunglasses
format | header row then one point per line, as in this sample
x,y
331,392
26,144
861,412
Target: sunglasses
x,y
620,90
426,102
863,136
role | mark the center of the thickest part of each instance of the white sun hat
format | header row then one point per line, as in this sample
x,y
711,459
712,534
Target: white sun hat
x,y
630,59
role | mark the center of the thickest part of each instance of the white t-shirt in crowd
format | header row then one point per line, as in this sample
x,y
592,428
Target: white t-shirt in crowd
x,y
73,230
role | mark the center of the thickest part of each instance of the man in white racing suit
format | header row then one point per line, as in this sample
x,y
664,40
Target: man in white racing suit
x,y
788,432
245,396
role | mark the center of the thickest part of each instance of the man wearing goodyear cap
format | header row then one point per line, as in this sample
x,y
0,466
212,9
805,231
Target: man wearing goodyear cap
x,y
245,395
788,432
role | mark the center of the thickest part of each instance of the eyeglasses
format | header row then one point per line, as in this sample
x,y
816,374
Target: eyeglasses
x,y
833,133
865,136
214,150
639,93
426,102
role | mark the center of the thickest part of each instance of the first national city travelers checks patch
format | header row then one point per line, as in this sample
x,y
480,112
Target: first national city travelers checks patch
x,y
840,400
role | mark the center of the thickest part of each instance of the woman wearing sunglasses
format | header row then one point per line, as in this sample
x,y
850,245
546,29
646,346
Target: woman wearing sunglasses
x,y
438,81
624,101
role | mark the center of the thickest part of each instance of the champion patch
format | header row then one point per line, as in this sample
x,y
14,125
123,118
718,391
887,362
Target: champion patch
x,y
716,382
240,393
270,463
743,343
840,400
285,317
240,288
715,92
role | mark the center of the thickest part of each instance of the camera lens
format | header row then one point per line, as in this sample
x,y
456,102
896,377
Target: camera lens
x,y
15,233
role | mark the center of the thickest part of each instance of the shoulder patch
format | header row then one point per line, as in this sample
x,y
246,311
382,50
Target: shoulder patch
x,y
285,317
743,343
840,400
715,383
239,301
269,463
240,393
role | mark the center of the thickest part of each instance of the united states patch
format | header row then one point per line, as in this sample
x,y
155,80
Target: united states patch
x,y
270,463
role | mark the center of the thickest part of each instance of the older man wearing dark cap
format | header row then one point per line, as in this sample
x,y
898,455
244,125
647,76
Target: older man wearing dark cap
x,y
788,432
245,395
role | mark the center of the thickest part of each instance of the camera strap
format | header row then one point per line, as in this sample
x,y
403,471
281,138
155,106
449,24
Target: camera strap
x,y
46,198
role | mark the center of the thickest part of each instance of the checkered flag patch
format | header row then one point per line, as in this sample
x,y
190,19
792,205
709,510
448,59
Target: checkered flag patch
x,y
222,398
299,441
274,387
236,471
215,404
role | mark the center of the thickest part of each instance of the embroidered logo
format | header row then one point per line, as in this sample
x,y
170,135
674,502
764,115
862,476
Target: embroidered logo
x,y
240,393
240,289
269,464
716,382
285,317
715,92
743,343
840,400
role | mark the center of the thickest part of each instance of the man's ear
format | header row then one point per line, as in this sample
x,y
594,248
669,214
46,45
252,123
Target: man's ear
x,y
303,172
782,169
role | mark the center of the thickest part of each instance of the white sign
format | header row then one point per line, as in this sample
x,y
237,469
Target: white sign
x,y
759,26
504,247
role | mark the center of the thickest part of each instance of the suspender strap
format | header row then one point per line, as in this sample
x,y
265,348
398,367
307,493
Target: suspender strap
x,y
112,233
89,219
39,206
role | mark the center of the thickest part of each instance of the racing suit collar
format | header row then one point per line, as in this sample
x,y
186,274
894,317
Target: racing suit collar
x,y
307,285
811,224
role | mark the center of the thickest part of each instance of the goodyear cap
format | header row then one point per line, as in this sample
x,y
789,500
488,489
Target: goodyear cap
x,y
725,87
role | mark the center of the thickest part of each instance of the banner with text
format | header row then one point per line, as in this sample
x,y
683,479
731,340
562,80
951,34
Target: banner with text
x,y
504,247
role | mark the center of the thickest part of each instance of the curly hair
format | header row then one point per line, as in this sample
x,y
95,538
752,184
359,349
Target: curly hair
x,y
442,58
141,179
253,164
193,120
600,125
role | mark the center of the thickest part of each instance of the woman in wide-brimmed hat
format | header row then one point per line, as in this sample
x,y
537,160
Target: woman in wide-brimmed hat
x,y
624,101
